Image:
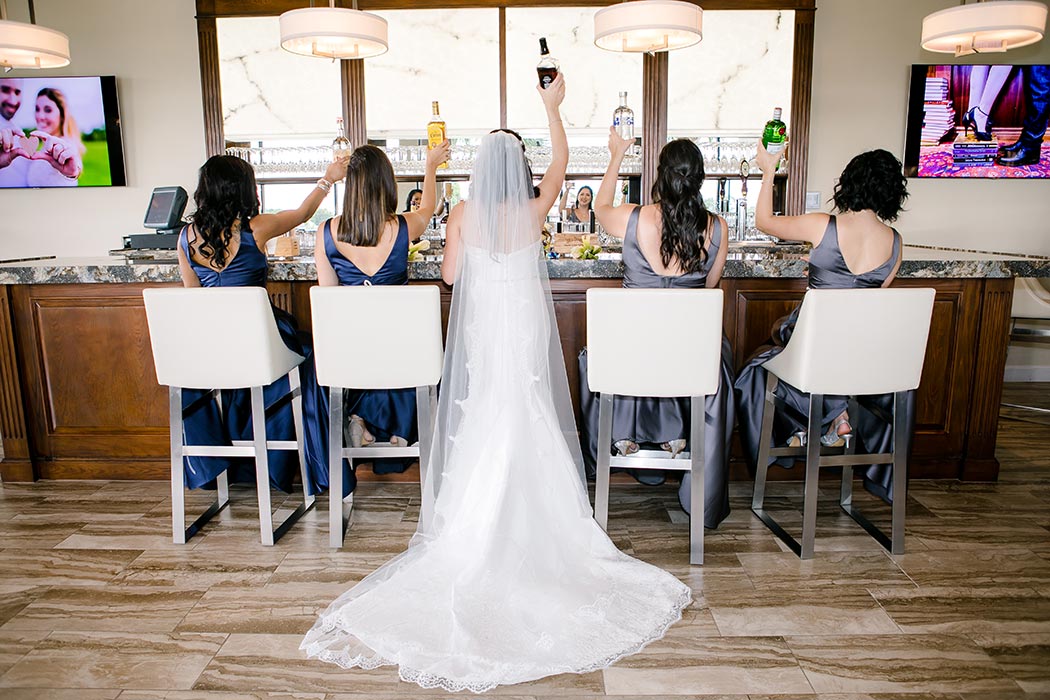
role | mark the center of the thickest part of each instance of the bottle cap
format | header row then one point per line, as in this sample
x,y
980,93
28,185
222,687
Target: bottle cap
x,y
543,46
776,113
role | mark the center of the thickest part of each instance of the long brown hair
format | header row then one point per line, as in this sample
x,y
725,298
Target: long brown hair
x,y
371,197
67,125
679,176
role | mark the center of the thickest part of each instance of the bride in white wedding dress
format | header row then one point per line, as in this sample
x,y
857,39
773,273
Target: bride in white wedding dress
x,y
508,577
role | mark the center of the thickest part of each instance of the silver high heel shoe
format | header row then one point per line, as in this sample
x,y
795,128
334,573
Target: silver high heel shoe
x,y
626,447
675,447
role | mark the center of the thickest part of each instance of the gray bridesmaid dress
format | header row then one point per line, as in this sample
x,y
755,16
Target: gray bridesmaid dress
x,y
653,421
827,270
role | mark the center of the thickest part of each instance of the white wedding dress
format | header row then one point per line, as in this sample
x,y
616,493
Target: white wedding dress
x,y
508,577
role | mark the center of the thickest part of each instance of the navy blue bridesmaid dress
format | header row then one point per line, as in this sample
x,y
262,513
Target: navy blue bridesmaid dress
x,y
206,426
827,270
653,421
385,412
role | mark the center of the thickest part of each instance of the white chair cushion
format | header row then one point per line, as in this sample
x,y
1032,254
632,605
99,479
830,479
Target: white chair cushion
x,y
654,342
857,341
216,338
377,337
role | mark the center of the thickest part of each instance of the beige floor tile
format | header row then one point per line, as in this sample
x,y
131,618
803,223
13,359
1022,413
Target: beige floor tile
x,y
59,567
27,534
983,566
202,568
216,695
279,608
708,666
966,611
826,569
114,660
16,644
61,694
1024,657
114,608
775,612
898,663
15,597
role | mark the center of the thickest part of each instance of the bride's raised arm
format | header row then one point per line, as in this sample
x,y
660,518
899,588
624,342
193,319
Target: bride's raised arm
x,y
550,185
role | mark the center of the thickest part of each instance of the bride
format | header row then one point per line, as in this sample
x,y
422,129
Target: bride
x,y
508,578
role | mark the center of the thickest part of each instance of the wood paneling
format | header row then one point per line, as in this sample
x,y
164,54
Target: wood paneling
x,y
16,465
352,75
801,97
94,409
654,117
211,88
257,8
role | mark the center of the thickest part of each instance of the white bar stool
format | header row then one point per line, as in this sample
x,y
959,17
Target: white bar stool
x,y
851,342
237,322
1031,302
633,364
375,337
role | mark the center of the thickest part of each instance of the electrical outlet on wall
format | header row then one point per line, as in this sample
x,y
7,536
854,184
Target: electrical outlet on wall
x,y
812,201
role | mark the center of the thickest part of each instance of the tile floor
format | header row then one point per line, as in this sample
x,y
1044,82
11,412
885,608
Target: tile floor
x,y
96,603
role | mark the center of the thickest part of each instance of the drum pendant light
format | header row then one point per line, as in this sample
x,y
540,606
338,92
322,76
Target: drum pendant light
x,y
333,32
30,45
984,27
648,26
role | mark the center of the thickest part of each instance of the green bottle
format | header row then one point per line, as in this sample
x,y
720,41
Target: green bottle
x,y
774,136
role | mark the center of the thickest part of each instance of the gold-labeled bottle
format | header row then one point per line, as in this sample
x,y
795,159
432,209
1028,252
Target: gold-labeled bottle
x,y
436,131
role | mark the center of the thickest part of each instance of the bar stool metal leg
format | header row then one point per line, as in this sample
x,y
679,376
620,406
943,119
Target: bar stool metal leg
x,y
262,466
809,507
846,489
336,520
601,485
179,532
697,449
765,438
900,471
425,415
295,385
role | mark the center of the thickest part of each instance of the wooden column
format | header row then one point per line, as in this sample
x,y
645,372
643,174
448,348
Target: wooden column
x,y
352,76
993,337
208,48
798,129
17,465
654,117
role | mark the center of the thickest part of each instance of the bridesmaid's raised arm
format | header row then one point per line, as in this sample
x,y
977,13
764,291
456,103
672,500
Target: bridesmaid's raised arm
x,y
417,220
613,219
267,226
808,227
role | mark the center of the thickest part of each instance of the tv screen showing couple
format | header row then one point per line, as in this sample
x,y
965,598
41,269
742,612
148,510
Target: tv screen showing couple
x,y
60,132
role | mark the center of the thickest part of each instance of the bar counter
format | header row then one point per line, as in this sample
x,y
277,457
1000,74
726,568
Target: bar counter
x,y
79,397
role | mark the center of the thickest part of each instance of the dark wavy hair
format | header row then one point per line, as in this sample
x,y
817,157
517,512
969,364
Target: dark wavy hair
x,y
679,176
590,204
408,199
371,197
872,180
524,159
226,196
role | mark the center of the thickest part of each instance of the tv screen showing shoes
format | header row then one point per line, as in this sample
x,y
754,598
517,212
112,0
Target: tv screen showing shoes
x,y
60,132
983,121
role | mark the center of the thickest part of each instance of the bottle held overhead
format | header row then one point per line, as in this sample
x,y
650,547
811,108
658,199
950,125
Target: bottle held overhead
x,y
436,134
341,147
547,68
774,136
623,119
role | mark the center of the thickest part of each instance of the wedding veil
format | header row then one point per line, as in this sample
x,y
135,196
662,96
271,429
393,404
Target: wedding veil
x,y
502,329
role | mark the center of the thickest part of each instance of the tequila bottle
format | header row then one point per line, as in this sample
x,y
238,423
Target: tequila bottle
x,y
547,68
436,130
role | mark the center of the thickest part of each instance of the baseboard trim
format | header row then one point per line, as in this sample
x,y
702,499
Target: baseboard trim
x,y
1037,373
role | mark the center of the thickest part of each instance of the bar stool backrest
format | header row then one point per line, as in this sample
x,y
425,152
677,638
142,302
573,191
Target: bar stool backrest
x,y
216,338
1031,299
654,342
857,341
377,337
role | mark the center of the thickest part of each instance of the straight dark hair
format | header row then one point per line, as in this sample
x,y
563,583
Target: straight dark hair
x,y
685,218
226,196
371,197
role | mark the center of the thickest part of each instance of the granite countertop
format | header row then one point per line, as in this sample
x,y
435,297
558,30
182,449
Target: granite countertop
x,y
781,261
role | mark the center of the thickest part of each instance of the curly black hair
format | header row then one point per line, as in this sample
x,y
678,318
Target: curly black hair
x,y
872,180
679,176
226,195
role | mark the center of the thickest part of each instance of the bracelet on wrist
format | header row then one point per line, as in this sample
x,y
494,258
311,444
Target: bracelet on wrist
x,y
324,185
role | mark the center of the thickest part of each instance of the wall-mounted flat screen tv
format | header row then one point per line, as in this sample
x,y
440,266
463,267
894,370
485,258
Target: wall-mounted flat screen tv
x,y
984,121
60,132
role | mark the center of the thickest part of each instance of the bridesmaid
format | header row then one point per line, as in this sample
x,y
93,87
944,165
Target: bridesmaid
x,y
223,247
854,249
674,243
367,245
